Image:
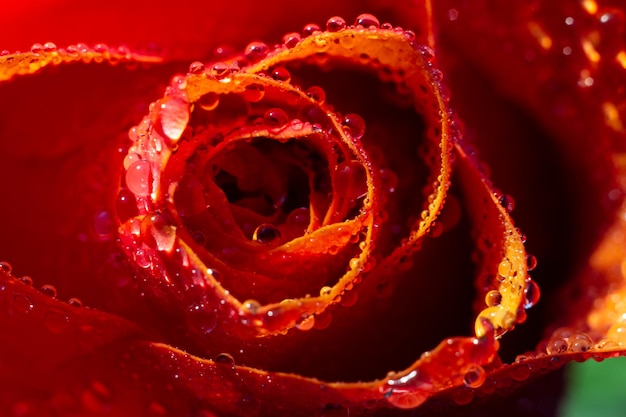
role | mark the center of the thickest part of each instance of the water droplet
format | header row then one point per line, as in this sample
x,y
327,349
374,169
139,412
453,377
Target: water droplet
x,y
493,298
49,290
225,358
201,318
37,48
504,268
317,94
291,39
75,302
251,306
209,101
281,74
531,262
306,323
354,125
56,321
275,118
310,29
256,51
49,47
580,342
436,74
6,268
174,116
325,291
367,20
220,70
556,345
426,51
350,180
27,280
335,24
507,203
531,293
196,67
138,178
126,205
254,93
389,180
474,376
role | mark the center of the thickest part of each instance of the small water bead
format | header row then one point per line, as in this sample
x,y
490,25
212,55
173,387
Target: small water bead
x,y
580,342
317,94
367,20
126,205
49,290
196,67
350,180
426,51
252,306
37,48
310,29
256,51
531,294
6,268
556,345
493,298
275,117
306,323
335,24
254,93
474,376
27,280
507,203
174,116
75,302
354,125
49,47
225,358
209,101
266,233
138,178
505,268
291,39
281,74
436,74
201,318
531,262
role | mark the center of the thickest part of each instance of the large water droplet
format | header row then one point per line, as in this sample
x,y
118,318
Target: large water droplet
x,y
335,24
291,39
275,118
256,51
281,74
201,318
474,376
354,126
174,116
49,290
5,268
138,178
209,101
367,20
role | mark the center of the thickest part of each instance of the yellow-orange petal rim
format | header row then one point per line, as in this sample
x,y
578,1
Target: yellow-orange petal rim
x,y
43,55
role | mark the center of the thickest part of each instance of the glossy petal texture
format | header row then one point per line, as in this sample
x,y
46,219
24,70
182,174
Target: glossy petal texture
x,y
207,239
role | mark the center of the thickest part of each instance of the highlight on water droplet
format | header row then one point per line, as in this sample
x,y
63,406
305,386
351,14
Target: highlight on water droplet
x,y
138,178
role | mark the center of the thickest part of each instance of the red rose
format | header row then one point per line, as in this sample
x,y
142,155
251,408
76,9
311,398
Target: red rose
x,y
305,227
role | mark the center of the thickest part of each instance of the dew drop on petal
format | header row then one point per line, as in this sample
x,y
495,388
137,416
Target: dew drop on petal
x,y
310,29
138,178
493,298
27,280
556,345
37,48
6,268
291,39
75,302
174,116
354,125
254,93
196,67
225,358
531,294
531,262
335,24
507,203
367,20
49,290
474,376
201,318
275,118
126,205
209,101
251,306
256,51
316,94
281,74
